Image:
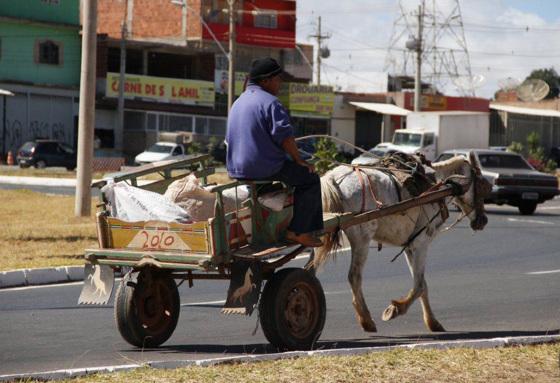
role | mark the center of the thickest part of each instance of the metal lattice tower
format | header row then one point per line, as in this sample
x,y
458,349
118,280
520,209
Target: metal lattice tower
x,y
445,57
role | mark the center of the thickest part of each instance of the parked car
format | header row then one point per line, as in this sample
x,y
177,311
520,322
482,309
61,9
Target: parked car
x,y
43,153
514,181
377,152
161,151
554,155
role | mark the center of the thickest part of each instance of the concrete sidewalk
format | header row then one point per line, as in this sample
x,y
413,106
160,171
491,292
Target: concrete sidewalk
x,y
38,181
42,276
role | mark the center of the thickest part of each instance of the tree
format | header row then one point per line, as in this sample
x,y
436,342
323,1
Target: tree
x,y
549,76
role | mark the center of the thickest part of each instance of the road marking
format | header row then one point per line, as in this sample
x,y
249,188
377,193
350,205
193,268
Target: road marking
x,y
549,208
543,272
530,221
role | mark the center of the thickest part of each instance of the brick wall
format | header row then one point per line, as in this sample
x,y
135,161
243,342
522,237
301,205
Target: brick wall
x,y
110,14
150,18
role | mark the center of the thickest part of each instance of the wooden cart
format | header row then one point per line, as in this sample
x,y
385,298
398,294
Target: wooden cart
x,y
245,246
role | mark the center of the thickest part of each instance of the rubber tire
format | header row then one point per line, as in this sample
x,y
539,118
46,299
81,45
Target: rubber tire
x,y
41,164
527,208
126,315
274,298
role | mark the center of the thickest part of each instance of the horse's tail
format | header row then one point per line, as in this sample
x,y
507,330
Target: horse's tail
x,y
332,203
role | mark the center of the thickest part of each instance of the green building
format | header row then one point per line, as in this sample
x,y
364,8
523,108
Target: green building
x,y
40,51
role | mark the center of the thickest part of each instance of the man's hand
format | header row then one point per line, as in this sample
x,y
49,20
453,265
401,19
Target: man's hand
x,y
309,166
290,147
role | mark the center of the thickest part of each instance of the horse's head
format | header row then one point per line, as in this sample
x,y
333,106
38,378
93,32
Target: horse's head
x,y
475,187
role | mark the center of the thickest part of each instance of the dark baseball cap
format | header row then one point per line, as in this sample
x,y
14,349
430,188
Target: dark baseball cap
x,y
264,68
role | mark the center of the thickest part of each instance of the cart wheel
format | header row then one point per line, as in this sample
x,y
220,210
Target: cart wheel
x,y
147,311
292,309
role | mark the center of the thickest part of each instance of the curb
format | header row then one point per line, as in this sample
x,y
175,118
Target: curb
x,y
44,276
475,344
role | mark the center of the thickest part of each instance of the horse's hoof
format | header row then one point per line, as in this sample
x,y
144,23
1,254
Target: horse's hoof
x,y
390,312
368,326
435,326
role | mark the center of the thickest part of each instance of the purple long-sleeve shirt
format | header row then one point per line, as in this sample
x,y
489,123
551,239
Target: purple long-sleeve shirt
x,y
257,126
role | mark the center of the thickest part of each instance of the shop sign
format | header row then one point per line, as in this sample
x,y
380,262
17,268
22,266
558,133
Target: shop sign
x,y
433,102
221,81
307,99
162,89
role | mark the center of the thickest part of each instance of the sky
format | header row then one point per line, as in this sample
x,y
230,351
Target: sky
x,y
506,40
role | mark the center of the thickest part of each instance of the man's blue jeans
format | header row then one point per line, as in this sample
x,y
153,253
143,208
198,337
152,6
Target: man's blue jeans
x,y
308,209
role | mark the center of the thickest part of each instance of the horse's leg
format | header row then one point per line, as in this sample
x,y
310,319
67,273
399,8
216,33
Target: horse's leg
x,y
429,318
416,259
359,244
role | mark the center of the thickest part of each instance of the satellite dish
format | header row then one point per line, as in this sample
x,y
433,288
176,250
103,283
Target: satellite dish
x,y
532,90
508,83
467,84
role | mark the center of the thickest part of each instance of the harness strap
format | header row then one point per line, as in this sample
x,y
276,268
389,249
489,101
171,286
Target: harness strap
x,y
378,203
363,187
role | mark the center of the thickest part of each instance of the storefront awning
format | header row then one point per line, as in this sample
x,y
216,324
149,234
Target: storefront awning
x,y
529,111
5,93
382,108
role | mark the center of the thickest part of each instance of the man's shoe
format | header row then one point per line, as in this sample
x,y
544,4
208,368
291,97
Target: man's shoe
x,y
305,239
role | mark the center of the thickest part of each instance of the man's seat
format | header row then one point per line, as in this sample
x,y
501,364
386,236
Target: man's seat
x,y
263,186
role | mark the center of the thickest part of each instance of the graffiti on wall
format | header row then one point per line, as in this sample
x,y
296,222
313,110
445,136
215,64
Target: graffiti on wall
x,y
49,120
17,134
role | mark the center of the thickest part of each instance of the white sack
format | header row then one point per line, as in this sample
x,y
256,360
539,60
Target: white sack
x,y
198,202
132,204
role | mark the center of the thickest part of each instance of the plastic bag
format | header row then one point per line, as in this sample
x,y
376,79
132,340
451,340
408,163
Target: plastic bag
x,y
132,204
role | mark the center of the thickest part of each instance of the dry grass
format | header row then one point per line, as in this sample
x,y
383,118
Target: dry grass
x,y
512,364
39,230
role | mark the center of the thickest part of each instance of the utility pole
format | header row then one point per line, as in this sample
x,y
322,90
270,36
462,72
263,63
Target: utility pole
x,y
418,76
320,37
231,67
119,130
86,119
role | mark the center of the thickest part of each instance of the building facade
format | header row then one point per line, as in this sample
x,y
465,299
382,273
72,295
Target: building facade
x,y
176,64
40,62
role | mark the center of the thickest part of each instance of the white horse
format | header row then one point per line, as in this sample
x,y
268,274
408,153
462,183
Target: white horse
x,y
414,229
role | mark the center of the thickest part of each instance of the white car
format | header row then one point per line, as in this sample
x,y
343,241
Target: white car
x,y
376,153
160,151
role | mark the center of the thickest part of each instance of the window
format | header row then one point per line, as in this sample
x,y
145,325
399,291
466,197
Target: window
x,y
48,52
428,139
266,18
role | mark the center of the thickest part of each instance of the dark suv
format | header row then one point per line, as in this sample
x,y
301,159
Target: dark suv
x,y
514,181
43,153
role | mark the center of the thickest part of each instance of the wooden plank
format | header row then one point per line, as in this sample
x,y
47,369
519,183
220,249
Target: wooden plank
x,y
161,185
152,168
396,208
162,256
262,253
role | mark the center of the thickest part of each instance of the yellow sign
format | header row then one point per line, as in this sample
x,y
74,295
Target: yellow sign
x,y
161,89
434,102
307,99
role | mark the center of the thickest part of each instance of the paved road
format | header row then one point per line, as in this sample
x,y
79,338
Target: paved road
x,y
503,281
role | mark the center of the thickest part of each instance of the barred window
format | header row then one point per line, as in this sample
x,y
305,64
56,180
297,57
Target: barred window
x,y
266,18
48,52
